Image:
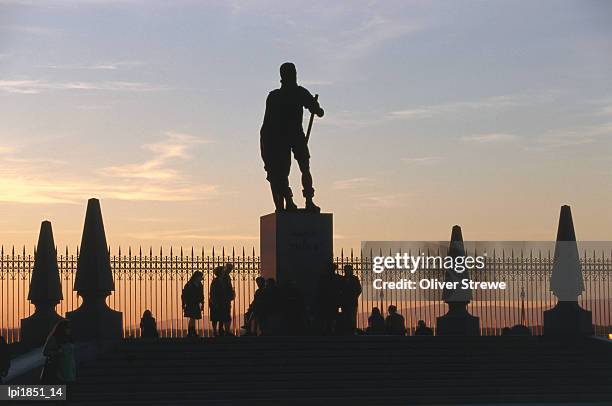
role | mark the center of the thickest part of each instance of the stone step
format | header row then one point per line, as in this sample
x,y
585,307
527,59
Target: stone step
x,y
360,370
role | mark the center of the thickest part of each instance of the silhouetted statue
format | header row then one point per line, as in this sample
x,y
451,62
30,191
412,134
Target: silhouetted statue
x,y
376,322
395,323
5,358
60,363
192,299
94,282
148,325
457,321
351,290
328,299
272,314
567,318
282,133
45,290
422,329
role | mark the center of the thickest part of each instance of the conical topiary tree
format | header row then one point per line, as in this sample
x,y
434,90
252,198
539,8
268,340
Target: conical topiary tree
x,y
457,321
567,318
45,289
94,282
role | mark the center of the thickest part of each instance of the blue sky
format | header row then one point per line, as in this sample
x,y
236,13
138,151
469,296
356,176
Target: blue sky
x,y
486,114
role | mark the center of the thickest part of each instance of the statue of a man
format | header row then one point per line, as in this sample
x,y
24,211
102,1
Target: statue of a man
x,y
282,133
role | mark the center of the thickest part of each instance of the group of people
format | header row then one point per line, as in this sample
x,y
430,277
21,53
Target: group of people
x,y
393,324
221,295
281,309
337,302
220,300
276,309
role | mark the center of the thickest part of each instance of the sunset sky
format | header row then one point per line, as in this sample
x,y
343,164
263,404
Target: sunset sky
x,y
490,115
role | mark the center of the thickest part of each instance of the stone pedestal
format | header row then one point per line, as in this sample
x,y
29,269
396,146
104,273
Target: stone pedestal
x,y
95,320
36,328
568,319
457,322
296,247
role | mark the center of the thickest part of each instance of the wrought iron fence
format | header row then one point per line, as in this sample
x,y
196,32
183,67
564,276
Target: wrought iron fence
x,y
154,280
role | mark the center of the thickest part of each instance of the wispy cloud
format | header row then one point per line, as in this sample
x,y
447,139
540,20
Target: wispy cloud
x,y
29,86
25,179
604,111
6,149
489,138
353,183
494,102
174,146
30,29
586,135
382,201
425,160
99,66
368,36
189,234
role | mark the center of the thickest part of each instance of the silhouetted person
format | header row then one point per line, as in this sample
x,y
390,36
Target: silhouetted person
x,y
376,322
282,133
271,321
148,325
60,363
422,329
351,290
518,330
193,301
328,300
5,358
230,295
219,312
254,312
394,323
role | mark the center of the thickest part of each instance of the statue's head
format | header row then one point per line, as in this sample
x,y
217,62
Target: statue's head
x,y
288,74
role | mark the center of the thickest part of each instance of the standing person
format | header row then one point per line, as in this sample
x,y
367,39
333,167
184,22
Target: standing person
x,y
60,364
351,290
228,297
192,298
220,302
5,358
281,133
148,325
